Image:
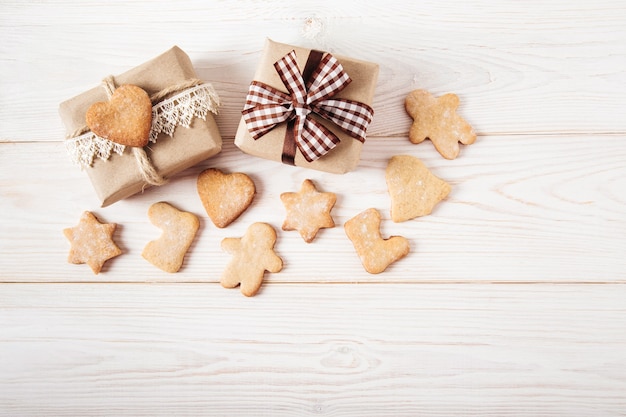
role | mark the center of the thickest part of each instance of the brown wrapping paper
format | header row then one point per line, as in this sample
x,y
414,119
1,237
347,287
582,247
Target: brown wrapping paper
x,y
345,156
119,176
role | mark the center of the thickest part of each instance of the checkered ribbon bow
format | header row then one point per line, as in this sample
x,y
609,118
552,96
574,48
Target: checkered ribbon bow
x,y
267,107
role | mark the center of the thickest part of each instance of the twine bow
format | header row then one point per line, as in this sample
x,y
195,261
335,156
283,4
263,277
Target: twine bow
x,y
308,92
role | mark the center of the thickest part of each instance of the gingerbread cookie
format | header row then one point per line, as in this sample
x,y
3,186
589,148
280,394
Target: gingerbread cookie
x,y
125,119
91,242
253,254
179,229
376,253
413,189
436,119
224,196
308,210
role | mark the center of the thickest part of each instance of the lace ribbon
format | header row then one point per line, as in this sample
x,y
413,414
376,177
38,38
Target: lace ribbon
x,y
178,110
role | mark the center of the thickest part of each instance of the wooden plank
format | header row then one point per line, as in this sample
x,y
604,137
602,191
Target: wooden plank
x,y
518,68
343,350
522,208
511,302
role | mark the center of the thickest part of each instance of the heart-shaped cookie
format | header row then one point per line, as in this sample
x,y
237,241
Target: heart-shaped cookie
x,y
225,196
125,119
413,189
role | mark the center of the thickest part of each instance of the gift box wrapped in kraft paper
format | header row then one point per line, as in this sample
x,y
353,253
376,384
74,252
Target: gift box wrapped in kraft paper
x,y
308,108
182,130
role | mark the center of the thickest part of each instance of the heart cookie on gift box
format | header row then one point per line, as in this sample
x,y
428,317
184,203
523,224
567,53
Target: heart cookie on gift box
x,y
125,119
225,196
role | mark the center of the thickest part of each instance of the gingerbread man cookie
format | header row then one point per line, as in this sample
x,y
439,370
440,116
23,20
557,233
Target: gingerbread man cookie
x,y
436,119
253,254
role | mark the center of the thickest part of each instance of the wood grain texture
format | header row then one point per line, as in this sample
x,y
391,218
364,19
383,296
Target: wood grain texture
x,y
518,68
510,303
304,350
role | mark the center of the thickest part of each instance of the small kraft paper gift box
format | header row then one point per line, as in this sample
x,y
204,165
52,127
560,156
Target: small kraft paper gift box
x,y
182,130
308,108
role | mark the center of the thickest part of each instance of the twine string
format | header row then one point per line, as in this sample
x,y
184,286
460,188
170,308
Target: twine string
x,y
148,172
108,83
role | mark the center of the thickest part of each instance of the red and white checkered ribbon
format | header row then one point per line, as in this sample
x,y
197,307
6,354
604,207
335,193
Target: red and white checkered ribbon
x,y
267,107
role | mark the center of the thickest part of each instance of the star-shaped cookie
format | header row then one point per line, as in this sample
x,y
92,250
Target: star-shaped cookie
x,y
308,210
435,118
92,242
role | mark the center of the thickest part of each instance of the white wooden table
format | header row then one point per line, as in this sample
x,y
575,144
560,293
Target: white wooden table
x,y
511,302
